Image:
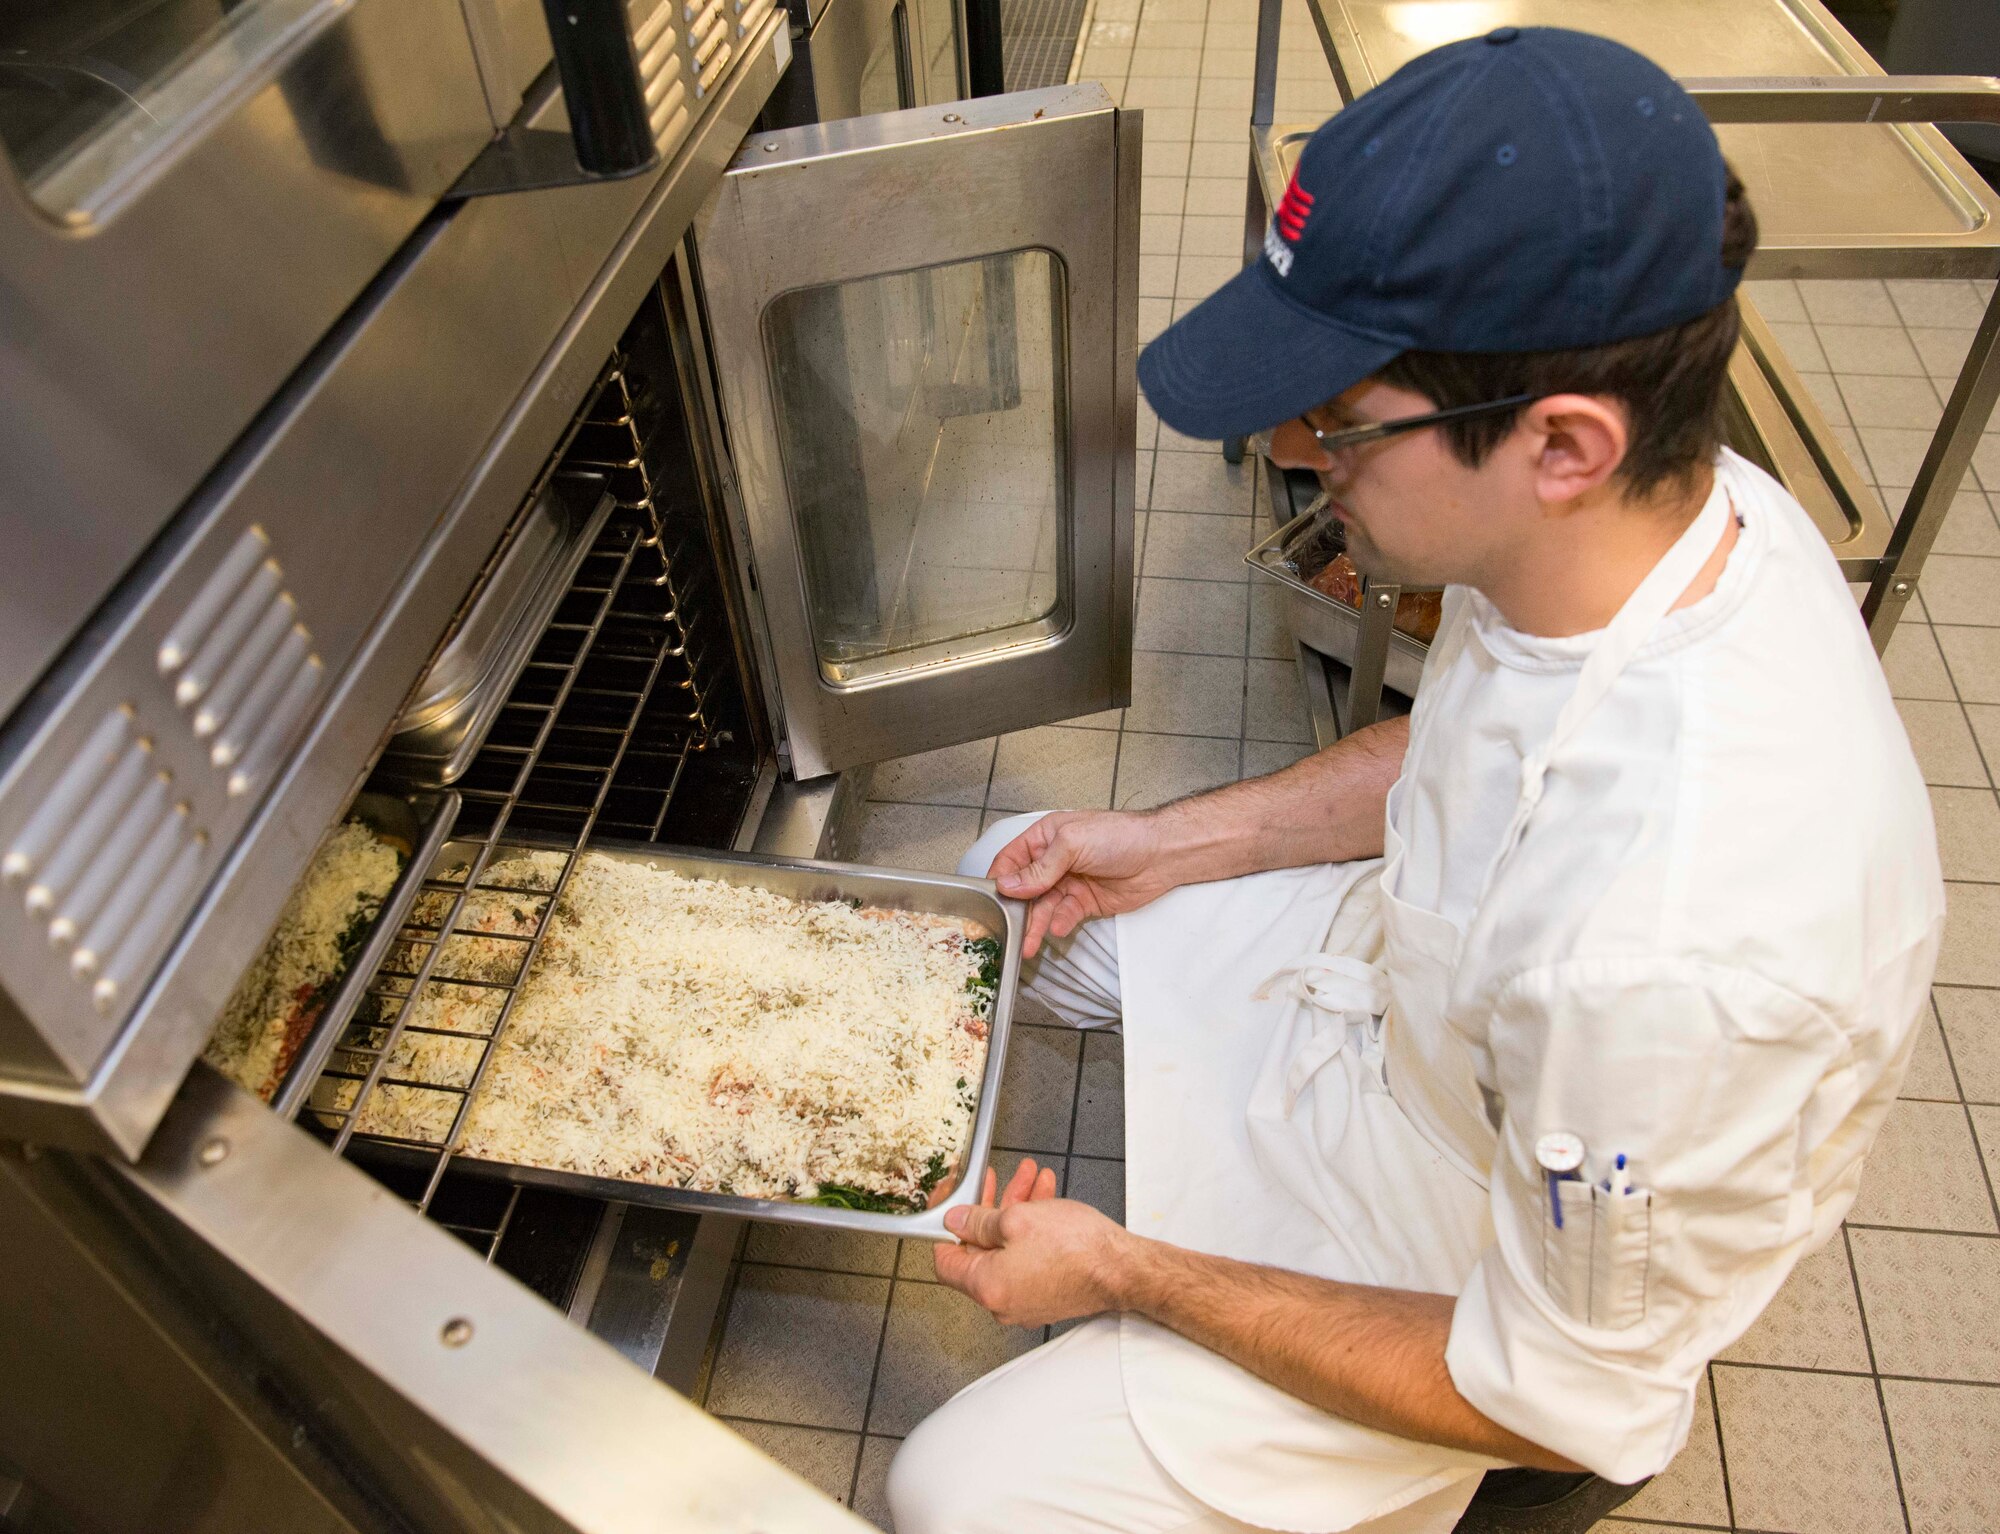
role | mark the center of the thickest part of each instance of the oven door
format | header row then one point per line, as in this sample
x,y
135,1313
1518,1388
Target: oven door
x,y
192,192
924,326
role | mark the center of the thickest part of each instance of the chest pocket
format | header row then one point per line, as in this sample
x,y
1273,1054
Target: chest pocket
x,y
1597,1259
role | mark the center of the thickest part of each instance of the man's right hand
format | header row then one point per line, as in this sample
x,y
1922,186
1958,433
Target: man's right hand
x,y
1075,866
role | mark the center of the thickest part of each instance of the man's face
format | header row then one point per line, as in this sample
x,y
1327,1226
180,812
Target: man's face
x,y
1412,511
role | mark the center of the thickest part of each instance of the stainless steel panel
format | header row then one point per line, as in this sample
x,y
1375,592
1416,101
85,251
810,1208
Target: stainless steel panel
x,y
1831,200
120,1407
455,701
810,880
848,65
1043,171
495,320
437,1391
937,45
148,328
510,39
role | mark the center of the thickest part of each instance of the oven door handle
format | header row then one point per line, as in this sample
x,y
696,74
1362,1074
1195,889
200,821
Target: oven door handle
x,y
602,51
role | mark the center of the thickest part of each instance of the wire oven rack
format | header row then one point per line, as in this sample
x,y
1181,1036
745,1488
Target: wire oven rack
x,y
594,737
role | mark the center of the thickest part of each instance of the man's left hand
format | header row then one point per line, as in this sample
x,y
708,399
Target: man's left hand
x,y
1032,1258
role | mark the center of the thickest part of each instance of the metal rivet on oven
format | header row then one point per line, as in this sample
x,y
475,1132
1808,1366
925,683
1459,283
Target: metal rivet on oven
x,y
1382,599
953,117
457,1332
770,149
213,1152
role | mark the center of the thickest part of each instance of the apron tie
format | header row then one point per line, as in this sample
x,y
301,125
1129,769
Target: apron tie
x,y
1344,990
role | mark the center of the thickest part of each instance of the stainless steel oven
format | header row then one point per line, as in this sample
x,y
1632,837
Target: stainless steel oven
x,y
632,510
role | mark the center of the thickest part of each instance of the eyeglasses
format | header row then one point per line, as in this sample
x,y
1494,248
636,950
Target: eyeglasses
x,y
1345,437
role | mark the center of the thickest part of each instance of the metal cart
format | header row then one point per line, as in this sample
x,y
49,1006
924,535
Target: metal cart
x,y
1849,179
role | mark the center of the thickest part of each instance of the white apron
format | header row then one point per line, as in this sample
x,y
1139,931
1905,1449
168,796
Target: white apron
x,y
1367,1141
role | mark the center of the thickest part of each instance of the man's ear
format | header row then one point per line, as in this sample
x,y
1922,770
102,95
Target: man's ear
x,y
1580,440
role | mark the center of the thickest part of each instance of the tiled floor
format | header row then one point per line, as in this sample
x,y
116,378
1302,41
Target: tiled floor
x,y
1868,1398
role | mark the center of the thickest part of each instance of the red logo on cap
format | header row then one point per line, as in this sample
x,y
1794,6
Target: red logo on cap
x,y
1293,210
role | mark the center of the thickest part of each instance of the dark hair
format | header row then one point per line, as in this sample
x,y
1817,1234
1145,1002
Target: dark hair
x,y
1670,382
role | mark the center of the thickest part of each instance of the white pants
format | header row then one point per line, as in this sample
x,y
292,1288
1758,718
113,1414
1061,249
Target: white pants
x,y
1044,1444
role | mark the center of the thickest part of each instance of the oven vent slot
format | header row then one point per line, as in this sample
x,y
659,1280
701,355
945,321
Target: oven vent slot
x,y
240,664
106,866
661,49
750,15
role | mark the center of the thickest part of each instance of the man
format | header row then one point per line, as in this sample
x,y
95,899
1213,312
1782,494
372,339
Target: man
x,y
1487,1072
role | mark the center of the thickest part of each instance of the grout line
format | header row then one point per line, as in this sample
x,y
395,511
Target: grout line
x,y
729,1287
1721,1448
1874,1367
804,1427
875,1375
1852,1374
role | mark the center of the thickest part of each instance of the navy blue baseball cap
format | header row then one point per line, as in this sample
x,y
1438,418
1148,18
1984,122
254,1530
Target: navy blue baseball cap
x,y
1535,189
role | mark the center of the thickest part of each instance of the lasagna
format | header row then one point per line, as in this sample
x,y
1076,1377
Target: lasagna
x,y
322,926
700,1034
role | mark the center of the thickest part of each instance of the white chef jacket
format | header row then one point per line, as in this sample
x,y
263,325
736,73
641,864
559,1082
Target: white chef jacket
x,y
1707,953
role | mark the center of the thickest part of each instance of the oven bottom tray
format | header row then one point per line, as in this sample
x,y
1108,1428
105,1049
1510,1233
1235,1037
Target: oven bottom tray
x,y
808,879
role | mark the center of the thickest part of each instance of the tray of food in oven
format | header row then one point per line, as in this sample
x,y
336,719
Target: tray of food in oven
x,y
781,1039
1307,558
334,930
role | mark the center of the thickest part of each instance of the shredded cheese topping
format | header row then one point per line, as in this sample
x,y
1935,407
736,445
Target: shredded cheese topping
x,y
279,996
705,1035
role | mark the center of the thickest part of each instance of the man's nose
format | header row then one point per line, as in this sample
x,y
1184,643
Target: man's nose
x,y
1293,446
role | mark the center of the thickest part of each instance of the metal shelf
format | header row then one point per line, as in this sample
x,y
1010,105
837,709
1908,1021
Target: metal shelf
x,y
1950,220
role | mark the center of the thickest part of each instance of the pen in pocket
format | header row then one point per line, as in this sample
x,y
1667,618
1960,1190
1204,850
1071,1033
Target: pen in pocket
x,y
1560,1156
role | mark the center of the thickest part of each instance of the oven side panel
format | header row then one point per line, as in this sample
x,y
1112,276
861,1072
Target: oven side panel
x,y
101,1347
459,373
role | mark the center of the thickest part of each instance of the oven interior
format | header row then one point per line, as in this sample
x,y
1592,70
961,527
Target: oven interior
x,y
631,718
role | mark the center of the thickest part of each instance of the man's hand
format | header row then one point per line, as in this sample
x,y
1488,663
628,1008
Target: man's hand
x,y
1076,866
1033,1258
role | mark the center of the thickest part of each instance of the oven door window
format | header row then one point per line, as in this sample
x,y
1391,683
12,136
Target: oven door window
x,y
920,424
89,86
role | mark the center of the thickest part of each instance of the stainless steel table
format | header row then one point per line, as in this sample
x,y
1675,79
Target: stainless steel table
x,y
1849,179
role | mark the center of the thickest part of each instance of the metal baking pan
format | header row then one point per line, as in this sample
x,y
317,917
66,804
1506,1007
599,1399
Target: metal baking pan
x,y
422,823
1296,552
808,879
455,702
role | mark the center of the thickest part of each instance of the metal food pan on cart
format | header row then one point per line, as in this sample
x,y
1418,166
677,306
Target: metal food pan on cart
x,y
798,879
1290,557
